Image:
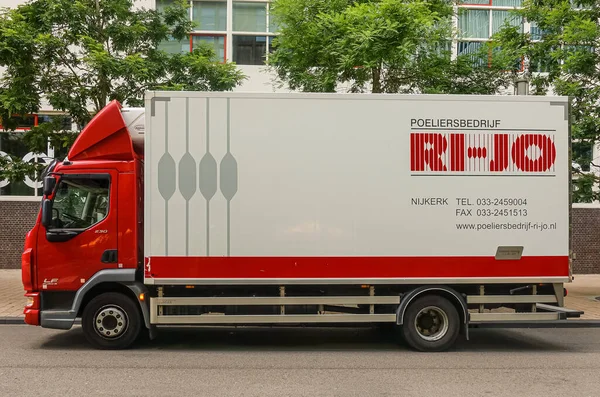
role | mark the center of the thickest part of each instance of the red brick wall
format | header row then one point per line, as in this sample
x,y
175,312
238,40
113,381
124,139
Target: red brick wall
x,y
586,240
17,217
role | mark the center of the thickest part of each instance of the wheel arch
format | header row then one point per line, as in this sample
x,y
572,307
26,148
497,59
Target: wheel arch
x,y
121,281
449,293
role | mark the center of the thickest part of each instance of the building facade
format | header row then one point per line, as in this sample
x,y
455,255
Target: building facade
x,y
242,31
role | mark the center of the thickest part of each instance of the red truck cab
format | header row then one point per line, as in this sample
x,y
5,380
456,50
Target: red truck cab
x,y
88,234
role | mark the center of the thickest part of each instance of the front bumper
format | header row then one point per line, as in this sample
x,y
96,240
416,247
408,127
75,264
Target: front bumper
x,y
55,319
49,319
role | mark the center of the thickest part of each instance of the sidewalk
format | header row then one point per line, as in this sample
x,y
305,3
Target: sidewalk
x,y
12,300
581,296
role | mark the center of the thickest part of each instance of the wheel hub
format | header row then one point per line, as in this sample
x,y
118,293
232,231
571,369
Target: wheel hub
x,y
431,323
110,322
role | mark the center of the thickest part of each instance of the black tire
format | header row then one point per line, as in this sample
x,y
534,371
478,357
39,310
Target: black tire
x,y
107,310
442,336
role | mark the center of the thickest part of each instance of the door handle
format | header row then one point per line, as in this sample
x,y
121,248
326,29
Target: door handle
x,y
109,256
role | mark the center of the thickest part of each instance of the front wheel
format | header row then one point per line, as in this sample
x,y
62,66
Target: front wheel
x,y
111,321
431,324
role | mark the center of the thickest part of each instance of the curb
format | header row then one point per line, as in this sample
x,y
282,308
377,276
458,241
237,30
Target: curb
x,y
12,320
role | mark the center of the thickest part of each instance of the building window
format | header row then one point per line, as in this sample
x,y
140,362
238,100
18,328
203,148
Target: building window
x,y
249,50
250,28
173,46
507,3
478,22
67,122
474,24
252,17
270,39
495,3
542,62
500,17
471,48
217,42
273,25
535,32
24,123
249,17
161,5
210,15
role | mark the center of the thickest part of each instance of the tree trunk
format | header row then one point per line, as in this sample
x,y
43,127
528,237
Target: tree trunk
x,y
376,80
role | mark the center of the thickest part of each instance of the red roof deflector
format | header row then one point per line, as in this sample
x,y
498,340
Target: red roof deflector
x,y
104,138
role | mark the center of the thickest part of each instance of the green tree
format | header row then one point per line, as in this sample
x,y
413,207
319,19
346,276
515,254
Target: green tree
x,y
79,54
375,46
561,57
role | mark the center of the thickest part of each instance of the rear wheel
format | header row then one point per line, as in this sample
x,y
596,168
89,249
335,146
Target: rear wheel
x,y
111,321
431,324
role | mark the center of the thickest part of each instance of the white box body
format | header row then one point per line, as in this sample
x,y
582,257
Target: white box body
x,y
358,179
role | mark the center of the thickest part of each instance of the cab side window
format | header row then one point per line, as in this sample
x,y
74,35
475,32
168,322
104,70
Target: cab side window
x,y
80,203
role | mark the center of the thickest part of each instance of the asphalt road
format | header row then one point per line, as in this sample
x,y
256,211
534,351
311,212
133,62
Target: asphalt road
x,y
300,362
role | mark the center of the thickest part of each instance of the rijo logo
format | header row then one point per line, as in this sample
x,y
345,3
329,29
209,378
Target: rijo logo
x,y
479,153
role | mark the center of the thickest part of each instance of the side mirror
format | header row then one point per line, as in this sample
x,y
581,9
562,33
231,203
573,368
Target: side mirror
x,y
49,184
47,213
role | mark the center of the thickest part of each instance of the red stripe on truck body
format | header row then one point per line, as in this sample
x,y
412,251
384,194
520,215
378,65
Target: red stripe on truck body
x,y
236,267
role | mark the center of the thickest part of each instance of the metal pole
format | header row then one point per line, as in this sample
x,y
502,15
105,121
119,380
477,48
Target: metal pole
x,y
522,86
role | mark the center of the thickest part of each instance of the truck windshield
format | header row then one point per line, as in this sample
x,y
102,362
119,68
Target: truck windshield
x,y
80,203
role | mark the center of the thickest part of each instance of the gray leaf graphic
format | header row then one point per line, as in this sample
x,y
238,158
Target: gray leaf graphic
x,y
187,176
229,176
208,176
166,176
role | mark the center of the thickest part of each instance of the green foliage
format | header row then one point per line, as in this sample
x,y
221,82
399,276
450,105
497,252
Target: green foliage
x,y
37,140
80,54
568,56
377,46
15,169
583,189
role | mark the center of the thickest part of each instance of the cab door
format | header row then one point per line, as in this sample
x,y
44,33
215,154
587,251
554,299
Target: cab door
x,y
82,237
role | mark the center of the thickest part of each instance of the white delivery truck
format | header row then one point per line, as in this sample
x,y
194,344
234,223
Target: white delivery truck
x,y
432,213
